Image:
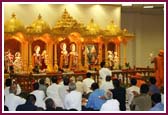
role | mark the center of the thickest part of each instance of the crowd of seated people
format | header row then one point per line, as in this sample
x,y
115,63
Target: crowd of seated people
x,y
84,95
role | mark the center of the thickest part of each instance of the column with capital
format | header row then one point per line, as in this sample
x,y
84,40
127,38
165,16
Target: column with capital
x,y
55,58
30,57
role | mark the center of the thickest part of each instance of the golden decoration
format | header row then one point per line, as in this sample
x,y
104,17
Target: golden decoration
x,y
67,25
13,25
92,28
112,29
38,26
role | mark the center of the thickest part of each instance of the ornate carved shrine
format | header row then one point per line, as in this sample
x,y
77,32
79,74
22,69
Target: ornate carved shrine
x,y
68,46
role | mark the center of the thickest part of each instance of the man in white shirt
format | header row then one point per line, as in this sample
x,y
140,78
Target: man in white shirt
x,y
103,72
131,91
8,83
88,82
73,100
111,104
39,94
53,92
11,100
63,89
80,86
108,84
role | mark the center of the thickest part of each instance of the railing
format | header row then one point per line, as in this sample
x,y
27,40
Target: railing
x,y
26,80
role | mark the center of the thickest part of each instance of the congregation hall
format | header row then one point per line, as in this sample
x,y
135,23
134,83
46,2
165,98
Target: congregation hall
x,y
83,57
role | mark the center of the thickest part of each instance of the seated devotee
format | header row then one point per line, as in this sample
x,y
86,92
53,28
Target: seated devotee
x,y
80,86
162,94
50,105
152,87
29,105
110,104
119,93
103,72
132,91
88,82
139,79
107,85
142,102
73,100
42,85
8,83
11,100
94,101
40,95
47,81
53,92
63,89
6,108
156,101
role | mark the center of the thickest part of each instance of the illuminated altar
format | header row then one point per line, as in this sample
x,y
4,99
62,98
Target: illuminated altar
x,y
69,45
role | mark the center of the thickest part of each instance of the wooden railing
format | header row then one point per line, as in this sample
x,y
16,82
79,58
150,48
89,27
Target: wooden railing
x,y
26,80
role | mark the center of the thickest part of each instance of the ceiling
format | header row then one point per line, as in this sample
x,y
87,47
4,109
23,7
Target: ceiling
x,y
140,7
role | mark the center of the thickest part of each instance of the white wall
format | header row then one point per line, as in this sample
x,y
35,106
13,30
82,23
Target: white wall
x,y
148,27
27,13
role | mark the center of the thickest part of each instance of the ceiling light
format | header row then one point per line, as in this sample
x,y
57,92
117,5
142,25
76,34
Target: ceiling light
x,y
126,4
148,7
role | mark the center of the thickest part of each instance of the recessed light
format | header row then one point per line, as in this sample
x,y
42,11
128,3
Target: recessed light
x,y
148,7
126,4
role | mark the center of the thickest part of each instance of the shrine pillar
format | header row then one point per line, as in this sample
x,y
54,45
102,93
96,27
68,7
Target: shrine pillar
x,y
55,58
86,59
106,53
24,55
30,56
49,47
79,47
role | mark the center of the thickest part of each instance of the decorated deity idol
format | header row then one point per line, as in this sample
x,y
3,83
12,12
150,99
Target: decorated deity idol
x,y
64,56
116,60
73,57
94,55
44,60
110,59
18,65
36,59
9,61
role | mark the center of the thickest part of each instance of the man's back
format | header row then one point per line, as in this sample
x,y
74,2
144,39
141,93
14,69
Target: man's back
x,y
28,106
142,102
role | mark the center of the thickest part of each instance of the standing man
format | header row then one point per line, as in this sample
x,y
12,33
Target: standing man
x,y
159,68
103,72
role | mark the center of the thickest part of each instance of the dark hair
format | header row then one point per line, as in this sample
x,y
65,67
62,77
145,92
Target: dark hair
x,y
133,81
88,74
8,82
36,86
116,83
31,98
6,108
49,103
102,64
144,88
54,79
41,81
66,80
152,80
156,98
108,78
94,86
